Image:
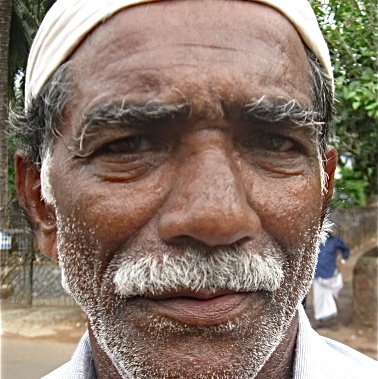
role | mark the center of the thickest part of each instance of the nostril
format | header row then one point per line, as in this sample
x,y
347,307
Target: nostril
x,y
211,228
200,246
244,240
187,242
184,240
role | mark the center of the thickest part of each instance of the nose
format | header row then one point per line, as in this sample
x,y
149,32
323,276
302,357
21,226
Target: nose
x,y
208,203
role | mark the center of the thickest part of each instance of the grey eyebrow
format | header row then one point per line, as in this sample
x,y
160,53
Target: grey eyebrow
x,y
147,115
282,110
132,114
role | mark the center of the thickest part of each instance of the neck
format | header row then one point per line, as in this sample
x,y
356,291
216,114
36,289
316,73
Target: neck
x,y
103,364
281,363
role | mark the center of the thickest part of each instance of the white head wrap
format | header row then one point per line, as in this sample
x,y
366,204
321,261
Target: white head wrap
x,y
69,21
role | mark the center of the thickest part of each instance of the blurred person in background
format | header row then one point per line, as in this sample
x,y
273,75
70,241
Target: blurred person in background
x,y
328,281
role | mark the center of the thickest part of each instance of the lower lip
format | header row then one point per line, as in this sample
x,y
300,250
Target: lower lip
x,y
215,311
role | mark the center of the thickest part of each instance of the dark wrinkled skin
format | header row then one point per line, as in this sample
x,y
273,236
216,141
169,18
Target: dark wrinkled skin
x,y
193,181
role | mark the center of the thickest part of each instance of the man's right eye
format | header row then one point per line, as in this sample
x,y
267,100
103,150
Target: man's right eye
x,y
128,145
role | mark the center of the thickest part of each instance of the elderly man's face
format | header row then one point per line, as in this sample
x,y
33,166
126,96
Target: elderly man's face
x,y
186,226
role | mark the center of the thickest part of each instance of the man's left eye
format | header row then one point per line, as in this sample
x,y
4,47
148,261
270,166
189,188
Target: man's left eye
x,y
274,142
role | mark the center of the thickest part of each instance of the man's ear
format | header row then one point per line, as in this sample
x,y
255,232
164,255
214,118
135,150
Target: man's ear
x,y
329,164
40,214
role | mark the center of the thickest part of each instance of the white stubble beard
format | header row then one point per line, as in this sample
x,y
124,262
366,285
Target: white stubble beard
x,y
277,319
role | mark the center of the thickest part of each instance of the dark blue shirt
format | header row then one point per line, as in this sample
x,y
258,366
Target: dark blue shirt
x,y
327,257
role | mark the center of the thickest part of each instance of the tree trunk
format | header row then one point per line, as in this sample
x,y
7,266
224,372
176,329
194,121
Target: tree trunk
x,y
5,22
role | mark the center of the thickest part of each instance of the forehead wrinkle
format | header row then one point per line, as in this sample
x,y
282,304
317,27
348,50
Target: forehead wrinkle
x,y
139,39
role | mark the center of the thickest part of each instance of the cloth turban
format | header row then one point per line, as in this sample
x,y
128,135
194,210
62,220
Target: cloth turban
x,y
69,21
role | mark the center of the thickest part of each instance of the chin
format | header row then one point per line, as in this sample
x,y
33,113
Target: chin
x,y
142,345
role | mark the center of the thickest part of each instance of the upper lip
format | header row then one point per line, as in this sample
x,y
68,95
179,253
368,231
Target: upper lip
x,y
191,294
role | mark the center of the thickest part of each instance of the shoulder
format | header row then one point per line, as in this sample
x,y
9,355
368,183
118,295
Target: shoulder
x,y
320,357
353,361
80,366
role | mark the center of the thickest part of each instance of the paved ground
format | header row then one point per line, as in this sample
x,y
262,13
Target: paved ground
x,y
30,358
34,341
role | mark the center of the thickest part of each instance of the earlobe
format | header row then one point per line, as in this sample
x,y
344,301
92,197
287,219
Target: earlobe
x,y
40,214
329,164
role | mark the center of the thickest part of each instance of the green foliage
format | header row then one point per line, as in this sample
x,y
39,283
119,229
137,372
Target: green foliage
x,y
26,18
350,188
350,28
11,169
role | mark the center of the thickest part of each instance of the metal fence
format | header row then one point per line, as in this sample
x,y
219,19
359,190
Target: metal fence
x,y
26,276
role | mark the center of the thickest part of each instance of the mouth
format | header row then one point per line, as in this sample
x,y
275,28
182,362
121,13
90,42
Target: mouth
x,y
200,308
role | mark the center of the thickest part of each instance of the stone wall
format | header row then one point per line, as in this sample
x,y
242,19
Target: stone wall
x,y
358,228
365,298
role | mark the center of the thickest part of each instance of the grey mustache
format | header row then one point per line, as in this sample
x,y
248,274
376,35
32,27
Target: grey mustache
x,y
235,269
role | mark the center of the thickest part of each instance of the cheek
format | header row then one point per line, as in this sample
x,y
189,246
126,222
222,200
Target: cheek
x,y
114,210
289,209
